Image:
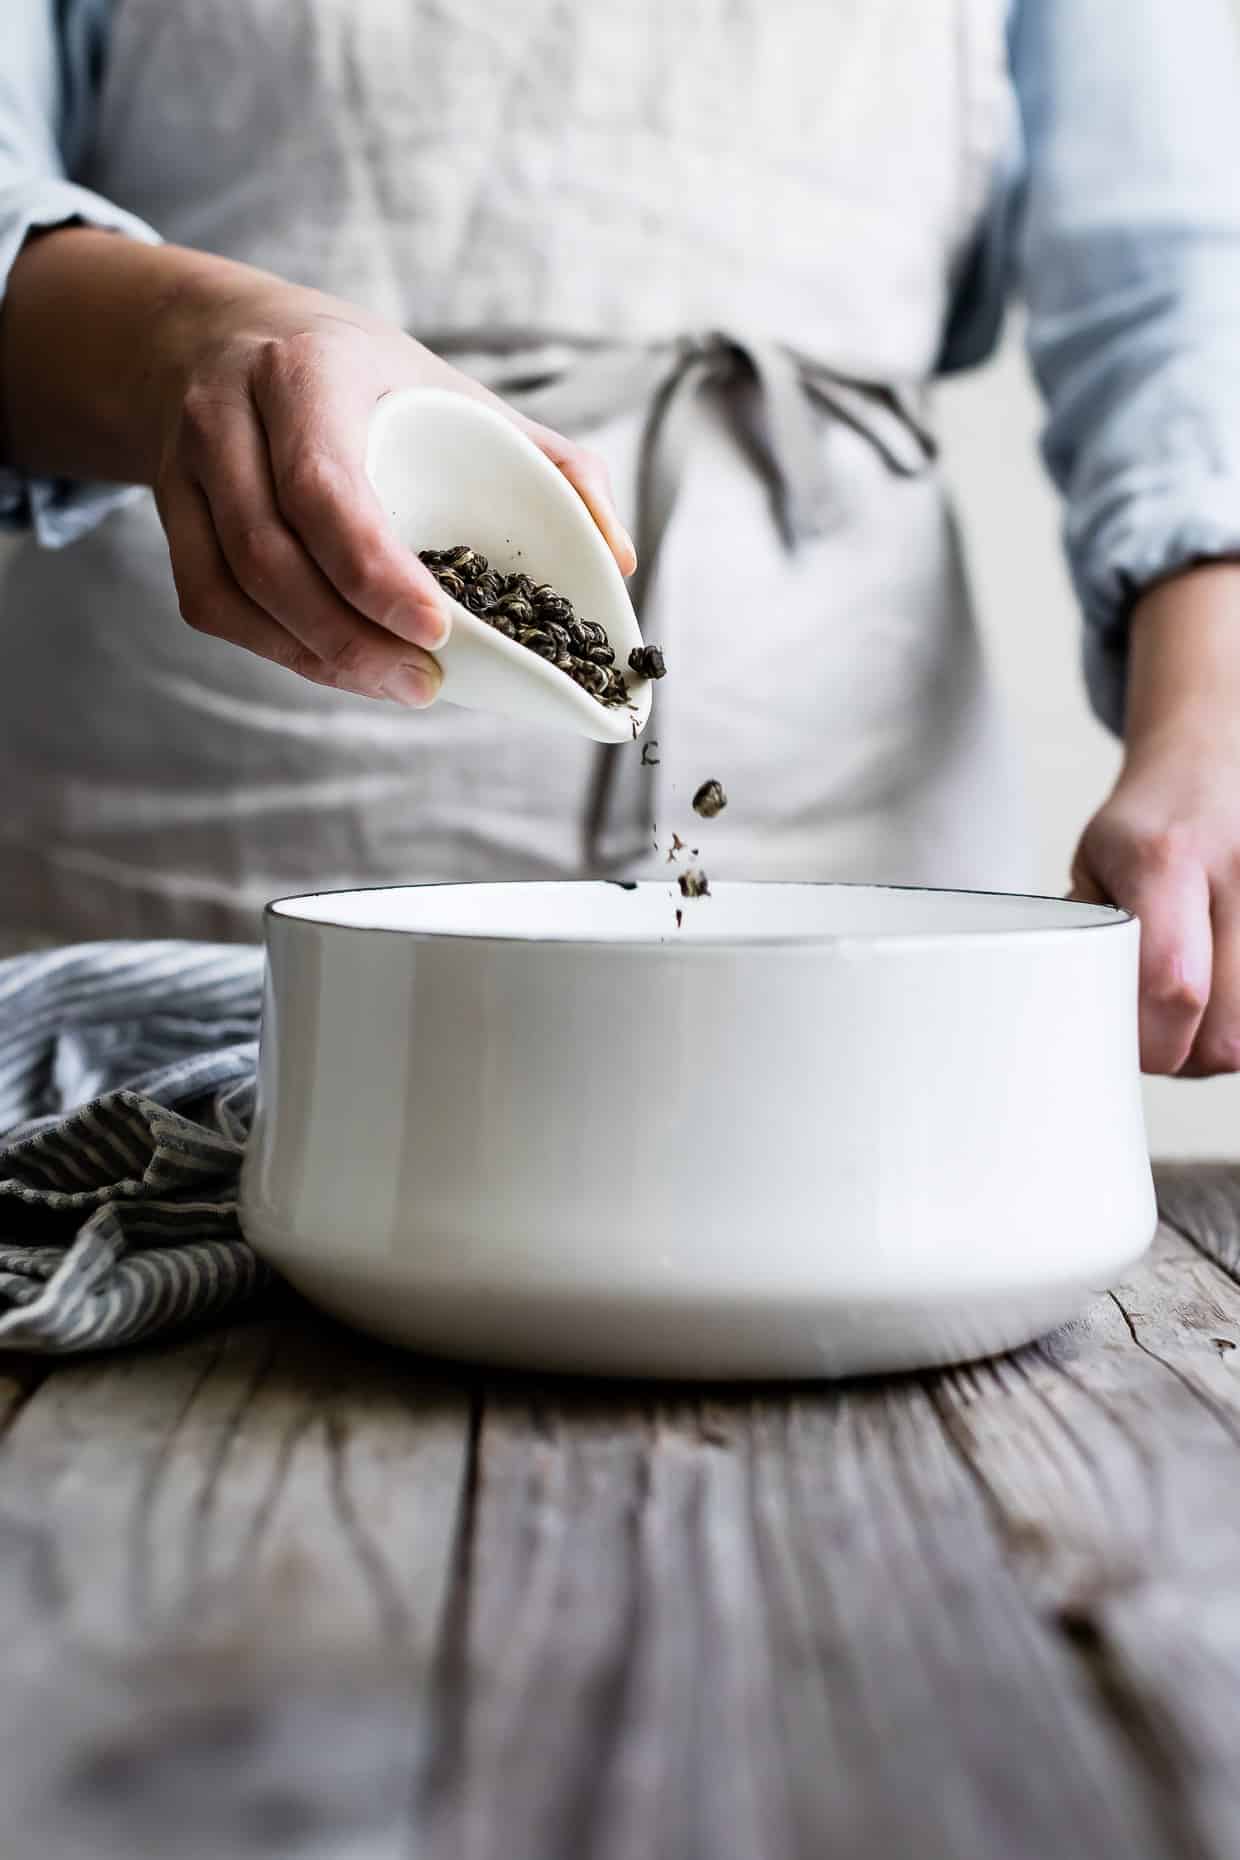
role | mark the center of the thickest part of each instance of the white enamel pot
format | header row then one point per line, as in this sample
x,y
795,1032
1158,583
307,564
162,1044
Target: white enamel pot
x,y
819,1130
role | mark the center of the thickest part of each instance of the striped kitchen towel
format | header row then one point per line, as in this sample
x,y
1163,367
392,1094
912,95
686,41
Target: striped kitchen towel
x,y
126,1088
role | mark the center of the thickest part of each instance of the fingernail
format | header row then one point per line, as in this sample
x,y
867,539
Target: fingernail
x,y
425,625
411,685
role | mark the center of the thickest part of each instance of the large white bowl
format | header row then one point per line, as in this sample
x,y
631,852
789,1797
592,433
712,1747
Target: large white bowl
x,y
820,1130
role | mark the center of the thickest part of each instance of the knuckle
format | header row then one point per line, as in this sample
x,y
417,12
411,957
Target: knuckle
x,y
309,483
349,663
1173,993
291,366
199,420
259,555
268,361
1159,851
357,564
287,357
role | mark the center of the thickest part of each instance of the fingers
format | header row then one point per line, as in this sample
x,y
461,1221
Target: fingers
x,y
209,604
273,570
213,602
1085,888
1216,1048
296,533
589,477
316,422
1176,947
1169,891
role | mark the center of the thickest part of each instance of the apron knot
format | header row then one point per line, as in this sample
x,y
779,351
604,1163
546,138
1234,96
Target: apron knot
x,y
574,385
788,451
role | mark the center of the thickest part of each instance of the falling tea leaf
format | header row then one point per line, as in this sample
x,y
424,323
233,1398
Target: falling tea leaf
x,y
710,800
647,662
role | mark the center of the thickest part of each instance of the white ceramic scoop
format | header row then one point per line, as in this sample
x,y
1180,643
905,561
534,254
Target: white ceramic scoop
x,y
450,470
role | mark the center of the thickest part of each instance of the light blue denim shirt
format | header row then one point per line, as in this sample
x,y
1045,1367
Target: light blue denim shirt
x,y
1117,219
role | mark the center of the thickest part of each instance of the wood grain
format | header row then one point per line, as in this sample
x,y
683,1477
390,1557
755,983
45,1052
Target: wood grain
x,y
276,1590
1202,1201
235,1558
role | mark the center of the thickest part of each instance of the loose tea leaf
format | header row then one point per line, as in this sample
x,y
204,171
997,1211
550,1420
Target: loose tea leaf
x,y
649,761
710,800
647,662
540,619
680,918
694,884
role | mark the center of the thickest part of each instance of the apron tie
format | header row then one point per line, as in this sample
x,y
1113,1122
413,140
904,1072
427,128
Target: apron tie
x,y
573,386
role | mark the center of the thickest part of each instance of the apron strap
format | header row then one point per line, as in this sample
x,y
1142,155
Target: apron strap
x,y
573,386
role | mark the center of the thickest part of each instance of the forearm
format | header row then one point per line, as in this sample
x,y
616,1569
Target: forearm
x,y
93,328
1184,665
1127,250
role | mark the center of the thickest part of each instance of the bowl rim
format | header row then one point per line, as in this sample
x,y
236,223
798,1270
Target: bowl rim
x,y
1105,917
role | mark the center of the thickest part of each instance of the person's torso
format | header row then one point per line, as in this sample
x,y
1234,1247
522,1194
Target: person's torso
x,y
810,171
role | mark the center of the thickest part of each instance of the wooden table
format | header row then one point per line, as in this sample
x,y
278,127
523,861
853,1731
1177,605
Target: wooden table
x,y
274,1590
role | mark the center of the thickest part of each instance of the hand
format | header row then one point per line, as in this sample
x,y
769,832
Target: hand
x,y
278,542
1166,844
249,418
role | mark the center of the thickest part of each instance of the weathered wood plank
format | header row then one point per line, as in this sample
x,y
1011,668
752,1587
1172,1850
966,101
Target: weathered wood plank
x,y
782,1629
222,1625
1202,1201
1111,1459
275,1590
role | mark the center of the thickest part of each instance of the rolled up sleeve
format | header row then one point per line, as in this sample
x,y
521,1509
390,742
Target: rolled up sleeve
x,y
41,113
1129,263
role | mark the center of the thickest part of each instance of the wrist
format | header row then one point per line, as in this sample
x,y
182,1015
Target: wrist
x,y
199,305
99,339
1184,666
95,328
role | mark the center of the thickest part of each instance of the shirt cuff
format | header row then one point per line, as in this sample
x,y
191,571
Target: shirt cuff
x,y
57,510
1141,538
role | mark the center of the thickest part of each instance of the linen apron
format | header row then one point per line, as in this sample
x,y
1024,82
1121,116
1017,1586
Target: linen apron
x,y
717,240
